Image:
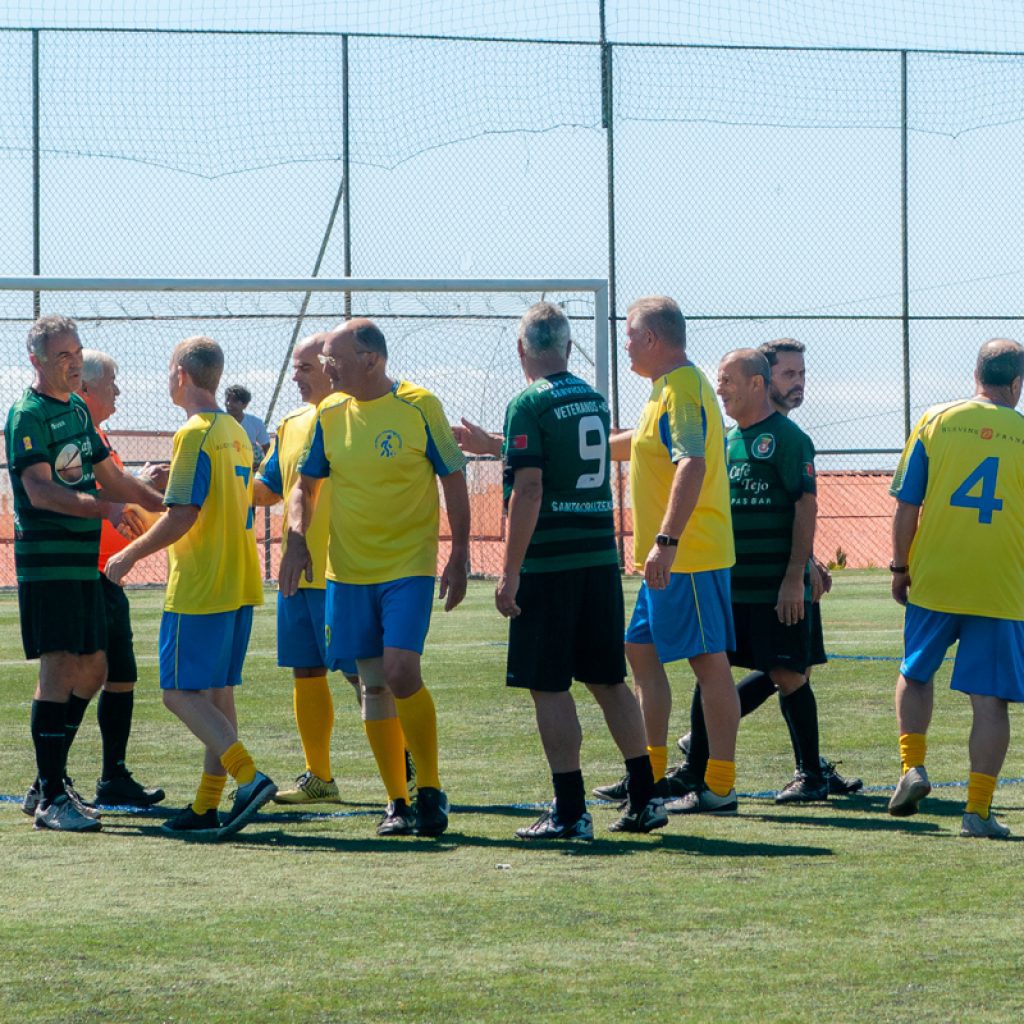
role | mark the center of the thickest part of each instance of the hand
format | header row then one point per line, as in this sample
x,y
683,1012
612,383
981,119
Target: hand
x,y
900,586
155,474
505,595
118,566
658,567
115,512
821,579
790,606
453,583
474,440
132,524
297,562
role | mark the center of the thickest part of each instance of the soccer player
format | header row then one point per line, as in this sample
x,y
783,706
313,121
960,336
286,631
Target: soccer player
x,y
301,642
560,585
785,393
382,443
98,388
236,401
683,535
213,582
774,512
56,459
958,567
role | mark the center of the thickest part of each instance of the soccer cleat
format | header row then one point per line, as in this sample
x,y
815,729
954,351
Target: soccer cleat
x,y
124,791
83,806
838,785
63,815
681,779
31,801
704,802
803,789
310,789
399,820
431,812
912,788
683,743
248,800
974,826
616,792
548,826
650,817
187,822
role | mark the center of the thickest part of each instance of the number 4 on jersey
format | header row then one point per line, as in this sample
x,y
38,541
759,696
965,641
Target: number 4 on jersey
x,y
983,475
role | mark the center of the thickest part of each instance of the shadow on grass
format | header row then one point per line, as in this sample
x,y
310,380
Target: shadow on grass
x,y
660,842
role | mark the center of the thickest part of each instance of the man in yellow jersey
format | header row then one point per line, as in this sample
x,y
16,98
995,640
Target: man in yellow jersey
x,y
301,644
958,566
213,582
682,537
382,443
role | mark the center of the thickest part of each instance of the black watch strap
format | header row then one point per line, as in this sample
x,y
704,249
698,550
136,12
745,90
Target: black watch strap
x,y
663,540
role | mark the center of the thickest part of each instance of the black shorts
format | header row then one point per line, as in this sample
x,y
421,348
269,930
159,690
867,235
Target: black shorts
x,y
62,615
764,643
121,667
818,656
572,626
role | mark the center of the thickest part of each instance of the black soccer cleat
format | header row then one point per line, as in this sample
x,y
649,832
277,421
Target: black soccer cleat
x,y
399,820
803,789
615,792
431,811
188,823
839,785
124,791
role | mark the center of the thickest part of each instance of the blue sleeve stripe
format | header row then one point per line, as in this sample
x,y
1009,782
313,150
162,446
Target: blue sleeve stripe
x,y
270,471
314,462
201,480
914,483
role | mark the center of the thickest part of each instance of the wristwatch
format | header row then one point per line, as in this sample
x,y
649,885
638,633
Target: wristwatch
x,y
663,540
893,567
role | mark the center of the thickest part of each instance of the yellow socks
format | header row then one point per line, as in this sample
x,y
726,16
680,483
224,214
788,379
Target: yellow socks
x,y
912,750
388,745
720,776
659,762
314,715
209,793
419,723
238,764
980,789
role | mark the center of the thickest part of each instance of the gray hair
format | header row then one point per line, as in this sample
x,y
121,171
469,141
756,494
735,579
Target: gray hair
x,y
662,317
95,364
45,328
753,361
544,330
1000,363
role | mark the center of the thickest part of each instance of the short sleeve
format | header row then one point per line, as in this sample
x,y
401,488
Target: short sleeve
x,y
682,425
911,478
524,444
189,480
442,450
269,472
799,476
314,462
27,440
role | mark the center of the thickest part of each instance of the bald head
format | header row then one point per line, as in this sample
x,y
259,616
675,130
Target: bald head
x,y
307,370
750,362
1000,363
365,334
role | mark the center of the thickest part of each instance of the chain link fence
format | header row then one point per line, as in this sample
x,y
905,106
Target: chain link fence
x,y
852,198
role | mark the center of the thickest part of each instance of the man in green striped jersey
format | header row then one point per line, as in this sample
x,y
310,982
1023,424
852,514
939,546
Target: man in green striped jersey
x,y
560,585
56,458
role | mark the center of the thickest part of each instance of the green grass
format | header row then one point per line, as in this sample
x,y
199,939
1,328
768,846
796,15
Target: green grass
x,y
835,913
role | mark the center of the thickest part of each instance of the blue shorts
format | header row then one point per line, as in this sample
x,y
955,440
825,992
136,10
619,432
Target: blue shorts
x,y
691,616
203,652
364,618
989,660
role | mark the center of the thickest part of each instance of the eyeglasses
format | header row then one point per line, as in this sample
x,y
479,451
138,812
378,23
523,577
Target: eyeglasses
x,y
334,363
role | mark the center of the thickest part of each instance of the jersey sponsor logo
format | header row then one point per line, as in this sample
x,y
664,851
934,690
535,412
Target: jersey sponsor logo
x,y
518,442
26,443
763,447
388,443
68,464
986,433
808,469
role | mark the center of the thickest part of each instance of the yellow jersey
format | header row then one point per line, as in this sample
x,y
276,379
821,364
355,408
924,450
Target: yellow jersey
x,y
214,567
964,463
681,420
382,458
280,472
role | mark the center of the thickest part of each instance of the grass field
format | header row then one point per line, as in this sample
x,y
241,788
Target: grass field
x,y
830,913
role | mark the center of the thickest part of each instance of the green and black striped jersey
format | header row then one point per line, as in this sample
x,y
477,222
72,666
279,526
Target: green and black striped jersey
x,y
771,466
560,425
50,545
